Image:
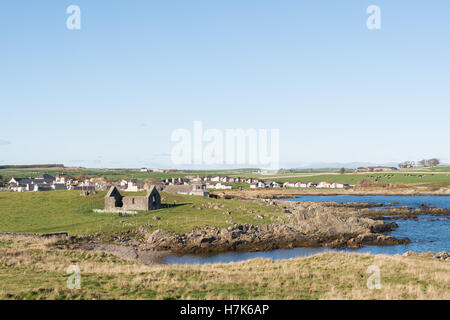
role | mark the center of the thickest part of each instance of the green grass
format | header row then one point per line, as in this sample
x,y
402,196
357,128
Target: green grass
x,y
31,269
398,178
434,169
67,211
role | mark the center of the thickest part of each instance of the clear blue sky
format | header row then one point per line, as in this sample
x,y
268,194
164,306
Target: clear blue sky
x,y
110,94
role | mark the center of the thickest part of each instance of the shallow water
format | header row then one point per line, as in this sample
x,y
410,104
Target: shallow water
x,y
425,234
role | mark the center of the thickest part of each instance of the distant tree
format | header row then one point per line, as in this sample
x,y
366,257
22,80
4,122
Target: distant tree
x,y
80,176
423,163
433,162
2,182
342,171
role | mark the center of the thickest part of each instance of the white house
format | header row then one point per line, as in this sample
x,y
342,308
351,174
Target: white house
x,y
302,185
339,185
324,184
219,186
273,184
261,184
199,189
289,185
132,187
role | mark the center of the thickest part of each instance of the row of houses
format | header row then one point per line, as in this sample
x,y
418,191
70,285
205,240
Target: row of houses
x,y
226,179
375,169
260,184
46,182
213,182
318,185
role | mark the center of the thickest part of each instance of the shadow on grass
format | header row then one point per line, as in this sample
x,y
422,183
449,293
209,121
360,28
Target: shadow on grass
x,y
174,205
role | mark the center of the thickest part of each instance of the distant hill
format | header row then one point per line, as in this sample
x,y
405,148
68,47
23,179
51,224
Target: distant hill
x,y
337,165
32,166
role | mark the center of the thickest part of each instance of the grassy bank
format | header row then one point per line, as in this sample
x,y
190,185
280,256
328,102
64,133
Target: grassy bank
x,y
32,269
67,211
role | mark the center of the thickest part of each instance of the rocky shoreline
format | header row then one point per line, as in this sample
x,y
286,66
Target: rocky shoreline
x,y
303,225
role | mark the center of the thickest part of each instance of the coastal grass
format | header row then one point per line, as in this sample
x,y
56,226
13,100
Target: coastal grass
x,y
68,211
36,269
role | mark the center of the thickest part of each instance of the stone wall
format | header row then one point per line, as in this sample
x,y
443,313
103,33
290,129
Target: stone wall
x,y
136,203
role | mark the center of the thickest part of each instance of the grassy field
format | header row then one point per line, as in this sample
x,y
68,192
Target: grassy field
x,y
119,173
438,175
434,169
398,178
32,269
67,211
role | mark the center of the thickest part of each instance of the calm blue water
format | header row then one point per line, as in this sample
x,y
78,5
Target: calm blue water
x,y
425,234
410,201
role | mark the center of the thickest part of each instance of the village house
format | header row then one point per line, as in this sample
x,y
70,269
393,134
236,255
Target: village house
x,y
290,185
258,185
63,178
273,184
339,185
197,180
199,189
375,169
132,187
324,184
19,182
44,182
174,181
219,186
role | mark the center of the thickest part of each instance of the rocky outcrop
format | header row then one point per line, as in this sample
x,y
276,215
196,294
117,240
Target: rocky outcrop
x,y
443,256
302,225
405,212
